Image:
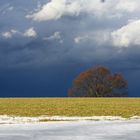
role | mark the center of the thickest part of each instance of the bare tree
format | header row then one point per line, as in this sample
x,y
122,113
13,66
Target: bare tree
x,y
98,82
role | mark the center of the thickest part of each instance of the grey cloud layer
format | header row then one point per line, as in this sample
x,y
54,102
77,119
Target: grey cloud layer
x,y
52,32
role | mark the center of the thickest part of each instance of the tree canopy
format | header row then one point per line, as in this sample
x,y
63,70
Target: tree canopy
x,y
99,82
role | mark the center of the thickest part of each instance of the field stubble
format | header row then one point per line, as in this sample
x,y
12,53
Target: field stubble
x,y
32,107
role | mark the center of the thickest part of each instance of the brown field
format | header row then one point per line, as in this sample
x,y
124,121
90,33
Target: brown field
x,y
125,107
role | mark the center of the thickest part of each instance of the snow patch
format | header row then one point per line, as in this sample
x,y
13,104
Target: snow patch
x,y
5,119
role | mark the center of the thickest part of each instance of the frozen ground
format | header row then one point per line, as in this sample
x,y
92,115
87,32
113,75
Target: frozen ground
x,y
76,130
5,119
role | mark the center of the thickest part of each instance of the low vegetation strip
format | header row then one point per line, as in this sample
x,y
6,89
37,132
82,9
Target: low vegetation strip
x,y
33,107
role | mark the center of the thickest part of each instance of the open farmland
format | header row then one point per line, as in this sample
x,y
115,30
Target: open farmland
x,y
125,107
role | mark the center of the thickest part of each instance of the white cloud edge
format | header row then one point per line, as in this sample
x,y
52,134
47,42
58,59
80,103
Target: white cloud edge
x,y
55,9
55,36
29,33
126,36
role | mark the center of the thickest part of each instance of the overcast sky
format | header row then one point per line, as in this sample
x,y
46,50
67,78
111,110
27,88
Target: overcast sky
x,y
44,44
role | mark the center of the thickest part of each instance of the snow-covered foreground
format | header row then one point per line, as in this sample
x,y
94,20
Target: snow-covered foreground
x,y
76,130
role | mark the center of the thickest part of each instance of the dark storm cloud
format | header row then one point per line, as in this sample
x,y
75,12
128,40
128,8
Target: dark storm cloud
x,y
44,56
